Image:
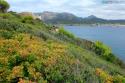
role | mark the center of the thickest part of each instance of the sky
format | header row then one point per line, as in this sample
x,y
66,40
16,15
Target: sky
x,y
108,9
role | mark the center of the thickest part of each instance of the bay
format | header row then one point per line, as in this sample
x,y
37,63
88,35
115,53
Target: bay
x,y
113,36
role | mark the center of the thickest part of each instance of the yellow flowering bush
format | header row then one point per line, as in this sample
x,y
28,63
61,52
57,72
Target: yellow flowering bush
x,y
16,72
22,52
104,75
119,79
109,78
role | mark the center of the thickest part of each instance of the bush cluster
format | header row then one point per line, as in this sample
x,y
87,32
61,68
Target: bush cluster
x,y
105,52
66,33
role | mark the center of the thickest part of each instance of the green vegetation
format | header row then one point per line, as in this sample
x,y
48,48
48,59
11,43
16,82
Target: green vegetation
x,y
106,53
62,31
4,6
31,52
27,19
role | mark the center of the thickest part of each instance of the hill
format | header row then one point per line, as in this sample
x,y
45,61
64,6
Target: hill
x,y
68,18
32,51
58,18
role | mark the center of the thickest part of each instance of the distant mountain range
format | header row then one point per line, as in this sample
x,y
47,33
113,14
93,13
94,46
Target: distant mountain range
x,y
68,18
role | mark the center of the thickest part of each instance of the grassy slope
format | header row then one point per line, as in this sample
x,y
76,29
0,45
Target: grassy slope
x,y
30,52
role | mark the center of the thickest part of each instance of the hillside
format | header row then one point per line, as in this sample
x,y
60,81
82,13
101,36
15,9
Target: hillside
x,y
68,18
32,51
58,18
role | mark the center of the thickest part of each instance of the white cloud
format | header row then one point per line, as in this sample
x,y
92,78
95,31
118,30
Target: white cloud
x,y
79,7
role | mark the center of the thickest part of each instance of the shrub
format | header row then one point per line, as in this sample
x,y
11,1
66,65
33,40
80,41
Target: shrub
x,y
104,76
107,78
118,79
27,19
17,72
6,34
106,53
66,33
6,16
14,61
14,26
31,58
101,49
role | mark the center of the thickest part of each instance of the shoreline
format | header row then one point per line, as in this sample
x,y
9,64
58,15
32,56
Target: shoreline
x,y
112,25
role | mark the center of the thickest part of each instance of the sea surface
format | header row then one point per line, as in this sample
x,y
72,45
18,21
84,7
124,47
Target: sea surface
x,y
113,36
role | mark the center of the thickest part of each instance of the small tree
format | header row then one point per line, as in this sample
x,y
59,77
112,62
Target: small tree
x,y
4,6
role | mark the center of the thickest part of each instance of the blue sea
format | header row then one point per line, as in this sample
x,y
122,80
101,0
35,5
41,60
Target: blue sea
x,y
113,36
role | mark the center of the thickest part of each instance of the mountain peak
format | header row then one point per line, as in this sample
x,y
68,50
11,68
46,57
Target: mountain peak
x,y
91,16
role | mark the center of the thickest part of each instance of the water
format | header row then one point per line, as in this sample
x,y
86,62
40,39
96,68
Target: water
x,y
112,36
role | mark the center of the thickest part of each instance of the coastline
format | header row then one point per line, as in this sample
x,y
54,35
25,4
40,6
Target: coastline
x,y
96,25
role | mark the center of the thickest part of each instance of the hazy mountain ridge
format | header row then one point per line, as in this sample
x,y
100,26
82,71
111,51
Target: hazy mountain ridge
x,y
68,18
58,18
